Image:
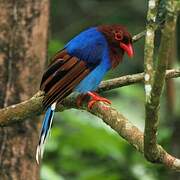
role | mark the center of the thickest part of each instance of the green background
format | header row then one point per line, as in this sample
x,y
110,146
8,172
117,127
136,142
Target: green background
x,y
81,146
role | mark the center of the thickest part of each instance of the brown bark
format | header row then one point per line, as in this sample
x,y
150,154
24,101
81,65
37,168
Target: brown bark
x,y
23,45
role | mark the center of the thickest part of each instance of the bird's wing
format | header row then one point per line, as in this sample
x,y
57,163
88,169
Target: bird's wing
x,y
63,74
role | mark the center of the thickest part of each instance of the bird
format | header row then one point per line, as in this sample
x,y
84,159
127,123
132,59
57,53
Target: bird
x,y
80,67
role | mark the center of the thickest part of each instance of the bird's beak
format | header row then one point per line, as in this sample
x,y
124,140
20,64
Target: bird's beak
x,y
128,49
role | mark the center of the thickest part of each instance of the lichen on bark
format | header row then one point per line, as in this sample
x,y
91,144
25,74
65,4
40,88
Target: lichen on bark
x,y
149,46
153,104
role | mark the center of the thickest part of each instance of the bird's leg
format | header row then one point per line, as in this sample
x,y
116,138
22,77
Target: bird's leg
x,y
80,99
96,97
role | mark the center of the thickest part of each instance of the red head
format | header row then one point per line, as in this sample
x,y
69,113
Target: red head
x,y
119,41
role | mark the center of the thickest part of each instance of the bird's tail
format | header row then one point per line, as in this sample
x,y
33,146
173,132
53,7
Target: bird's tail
x,y
46,126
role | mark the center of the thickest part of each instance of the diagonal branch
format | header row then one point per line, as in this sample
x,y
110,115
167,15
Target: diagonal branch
x,y
132,134
111,117
33,106
138,36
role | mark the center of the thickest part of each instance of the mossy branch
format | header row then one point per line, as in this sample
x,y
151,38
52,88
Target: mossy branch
x,y
149,46
152,106
33,107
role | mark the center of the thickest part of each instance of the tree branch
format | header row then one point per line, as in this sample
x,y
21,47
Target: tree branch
x,y
138,36
114,119
132,134
149,46
131,79
33,106
152,152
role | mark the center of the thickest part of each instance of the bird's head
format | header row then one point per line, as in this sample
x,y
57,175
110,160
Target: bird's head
x,y
119,41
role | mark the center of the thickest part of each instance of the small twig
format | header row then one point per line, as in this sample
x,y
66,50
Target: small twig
x,y
138,36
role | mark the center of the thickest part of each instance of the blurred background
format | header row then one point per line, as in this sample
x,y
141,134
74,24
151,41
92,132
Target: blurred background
x,y
81,146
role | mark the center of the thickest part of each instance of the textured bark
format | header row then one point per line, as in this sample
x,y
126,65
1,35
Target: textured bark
x,y
23,45
33,106
149,46
153,105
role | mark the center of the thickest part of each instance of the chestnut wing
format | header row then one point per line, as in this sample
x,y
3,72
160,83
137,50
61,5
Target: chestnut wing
x,y
62,76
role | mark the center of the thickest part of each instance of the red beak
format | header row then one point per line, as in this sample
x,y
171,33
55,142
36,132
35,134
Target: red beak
x,y
128,49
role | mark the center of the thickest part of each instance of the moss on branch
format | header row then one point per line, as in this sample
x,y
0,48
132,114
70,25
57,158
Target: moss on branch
x,y
33,107
153,103
149,46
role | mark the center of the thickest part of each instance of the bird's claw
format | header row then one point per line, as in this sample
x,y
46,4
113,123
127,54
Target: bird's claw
x,y
94,98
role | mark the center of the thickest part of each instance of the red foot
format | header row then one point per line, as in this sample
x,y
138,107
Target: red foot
x,y
94,98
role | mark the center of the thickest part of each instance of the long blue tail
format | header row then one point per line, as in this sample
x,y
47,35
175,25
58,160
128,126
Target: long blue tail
x,y
46,126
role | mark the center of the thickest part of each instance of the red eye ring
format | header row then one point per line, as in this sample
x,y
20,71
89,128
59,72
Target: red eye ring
x,y
118,35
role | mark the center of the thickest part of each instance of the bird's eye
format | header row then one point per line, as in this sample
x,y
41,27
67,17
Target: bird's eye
x,y
118,35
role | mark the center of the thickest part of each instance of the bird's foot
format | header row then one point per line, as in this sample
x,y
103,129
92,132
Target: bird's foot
x,y
94,98
80,99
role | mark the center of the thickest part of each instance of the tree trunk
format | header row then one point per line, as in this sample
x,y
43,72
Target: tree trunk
x,y
23,47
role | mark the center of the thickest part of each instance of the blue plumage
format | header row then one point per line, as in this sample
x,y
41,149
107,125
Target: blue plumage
x,y
91,46
93,79
88,46
80,67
